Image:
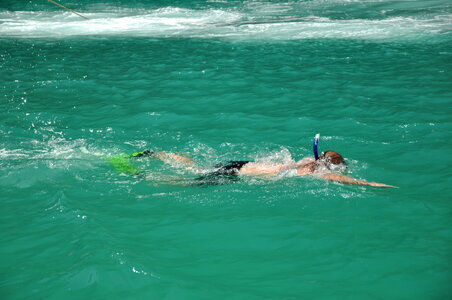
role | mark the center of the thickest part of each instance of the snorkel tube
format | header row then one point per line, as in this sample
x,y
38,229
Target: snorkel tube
x,y
315,146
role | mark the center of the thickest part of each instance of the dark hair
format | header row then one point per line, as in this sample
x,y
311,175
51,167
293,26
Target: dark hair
x,y
332,157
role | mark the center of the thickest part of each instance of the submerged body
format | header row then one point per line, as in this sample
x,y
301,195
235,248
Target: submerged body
x,y
321,168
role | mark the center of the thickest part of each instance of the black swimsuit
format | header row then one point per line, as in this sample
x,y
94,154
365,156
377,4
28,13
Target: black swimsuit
x,y
225,173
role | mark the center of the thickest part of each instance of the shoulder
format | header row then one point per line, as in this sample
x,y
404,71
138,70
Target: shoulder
x,y
307,169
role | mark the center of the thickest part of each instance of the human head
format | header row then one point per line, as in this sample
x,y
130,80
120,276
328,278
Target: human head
x,y
332,157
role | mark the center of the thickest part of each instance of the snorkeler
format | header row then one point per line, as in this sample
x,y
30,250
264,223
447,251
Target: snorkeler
x,y
324,166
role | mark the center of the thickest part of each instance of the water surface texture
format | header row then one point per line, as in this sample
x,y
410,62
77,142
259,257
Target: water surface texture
x,y
219,81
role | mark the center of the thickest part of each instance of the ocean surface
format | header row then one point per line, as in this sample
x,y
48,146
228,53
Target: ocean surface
x,y
217,81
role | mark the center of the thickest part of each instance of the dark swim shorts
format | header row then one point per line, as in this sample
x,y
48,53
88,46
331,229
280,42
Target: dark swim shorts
x,y
224,173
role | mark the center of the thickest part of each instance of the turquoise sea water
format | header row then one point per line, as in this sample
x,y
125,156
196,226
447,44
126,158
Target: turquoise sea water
x,y
218,81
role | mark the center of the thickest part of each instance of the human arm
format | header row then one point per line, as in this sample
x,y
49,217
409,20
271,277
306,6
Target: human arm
x,y
350,180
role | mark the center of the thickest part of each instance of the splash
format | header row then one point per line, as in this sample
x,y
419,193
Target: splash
x,y
250,23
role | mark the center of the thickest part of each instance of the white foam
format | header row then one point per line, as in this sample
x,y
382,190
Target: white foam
x,y
215,23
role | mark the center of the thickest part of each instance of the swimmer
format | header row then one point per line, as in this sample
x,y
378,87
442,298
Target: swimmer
x,y
324,168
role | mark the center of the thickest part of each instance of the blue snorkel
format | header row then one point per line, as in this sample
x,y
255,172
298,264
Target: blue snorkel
x,y
315,146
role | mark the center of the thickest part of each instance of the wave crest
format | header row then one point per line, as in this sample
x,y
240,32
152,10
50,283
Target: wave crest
x,y
215,23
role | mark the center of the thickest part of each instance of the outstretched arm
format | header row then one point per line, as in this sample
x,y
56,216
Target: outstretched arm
x,y
350,180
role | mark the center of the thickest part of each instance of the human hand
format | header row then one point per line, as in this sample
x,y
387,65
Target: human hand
x,y
376,184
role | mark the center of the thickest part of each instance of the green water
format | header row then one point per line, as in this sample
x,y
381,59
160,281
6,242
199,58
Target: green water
x,y
219,81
